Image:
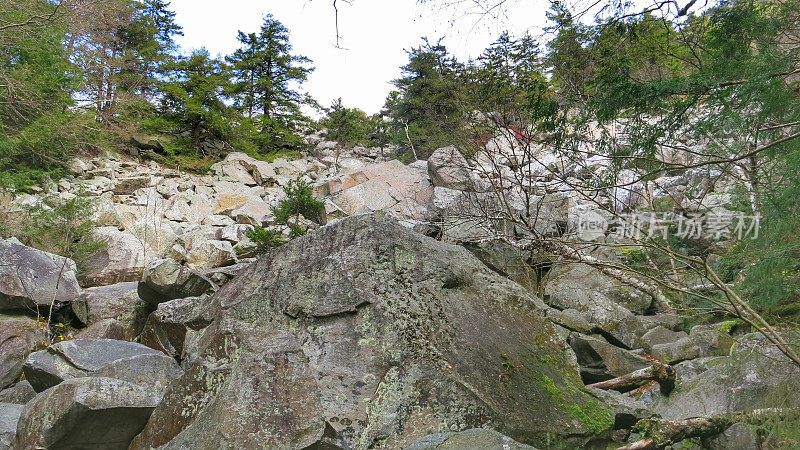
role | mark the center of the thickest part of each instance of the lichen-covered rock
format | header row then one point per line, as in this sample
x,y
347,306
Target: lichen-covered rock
x,y
755,375
104,329
19,336
79,358
369,334
659,335
167,326
474,438
30,278
92,412
117,301
167,279
20,393
9,417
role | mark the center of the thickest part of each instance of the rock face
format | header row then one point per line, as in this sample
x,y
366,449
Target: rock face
x,y
91,412
368,334
20,393
474,438
118,301
167,326
30,278
122,259
9,417
127,361
448,168
166,279
19,335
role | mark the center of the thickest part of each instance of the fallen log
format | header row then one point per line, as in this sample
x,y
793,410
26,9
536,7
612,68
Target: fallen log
x,y
661,373
660,433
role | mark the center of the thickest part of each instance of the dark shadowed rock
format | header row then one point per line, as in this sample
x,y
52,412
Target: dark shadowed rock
x,y
30,278
166,279
9,417
368,334
19,336
117,301
122,360
20,393
86,413
167,326
474,438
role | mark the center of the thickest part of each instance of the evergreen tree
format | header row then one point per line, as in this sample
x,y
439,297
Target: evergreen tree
x,y
265,75
347,126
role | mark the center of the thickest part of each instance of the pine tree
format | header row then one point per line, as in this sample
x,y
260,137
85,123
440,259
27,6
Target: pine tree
x,y
265,74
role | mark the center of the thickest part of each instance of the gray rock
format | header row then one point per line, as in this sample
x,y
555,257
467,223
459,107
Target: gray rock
x,y
739,436
91,412
381,335
672,322
660,335
20,393
675,352
166,279
481,438
30,278
755,375
448,168
122,259
600,361
79,358
129,185
167,326
210,254
19,336
117,301
712,340
9,417
104,329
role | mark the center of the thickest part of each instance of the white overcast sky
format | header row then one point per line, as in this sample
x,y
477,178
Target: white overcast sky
x,y
374,36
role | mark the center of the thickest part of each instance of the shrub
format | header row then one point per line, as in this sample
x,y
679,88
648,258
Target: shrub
x,y
265,239
300,201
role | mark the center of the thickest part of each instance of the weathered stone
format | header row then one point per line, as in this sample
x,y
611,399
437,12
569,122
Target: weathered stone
x,y
91,412
211,254
740,436
123,258
448,168
228,201
20,393
129,185
104,329
167,326
600,361
166,279
233,233
128,361
254,212
30,278
712,340
580,287
677,351
9,417
117,301
474,438
659,335
216,220
380,336
755,375
19,336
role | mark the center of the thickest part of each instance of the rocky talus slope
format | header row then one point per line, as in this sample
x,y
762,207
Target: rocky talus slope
x,y
394,323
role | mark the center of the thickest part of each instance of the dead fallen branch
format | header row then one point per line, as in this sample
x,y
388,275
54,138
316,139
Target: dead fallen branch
x,y
661,373
660,433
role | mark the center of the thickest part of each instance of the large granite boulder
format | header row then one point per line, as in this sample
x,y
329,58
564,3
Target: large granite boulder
x,y
117,301
92,412
167,326
20,393
369,334
19,336
600,361
755,375
9,417
30,278
123,258
166,279
482,438
448,168
128,361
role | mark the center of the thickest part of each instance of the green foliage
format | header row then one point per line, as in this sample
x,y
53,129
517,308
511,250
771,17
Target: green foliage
x,y
265,73
299,201
63,227
265,239
347,126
